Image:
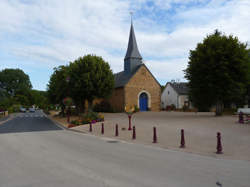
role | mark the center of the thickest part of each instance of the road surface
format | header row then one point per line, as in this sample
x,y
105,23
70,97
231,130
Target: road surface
x,y
36,152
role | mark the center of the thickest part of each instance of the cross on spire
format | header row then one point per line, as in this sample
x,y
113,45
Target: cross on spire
x,y
131,14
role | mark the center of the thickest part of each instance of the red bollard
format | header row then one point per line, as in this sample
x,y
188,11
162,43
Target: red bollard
x,y
90,127
182,139
129,122
241,117
154,135
134,133
219,146
116,130
102,128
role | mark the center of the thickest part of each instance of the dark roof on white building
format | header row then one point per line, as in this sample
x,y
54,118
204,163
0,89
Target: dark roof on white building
x,y
180,87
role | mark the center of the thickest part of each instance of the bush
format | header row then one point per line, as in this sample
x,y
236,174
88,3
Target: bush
x,y
46,112
14,108
170,107
91,117
103,106
185,108
76,122
136,109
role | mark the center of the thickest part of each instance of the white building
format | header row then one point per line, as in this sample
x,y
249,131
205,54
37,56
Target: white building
x,y
175,93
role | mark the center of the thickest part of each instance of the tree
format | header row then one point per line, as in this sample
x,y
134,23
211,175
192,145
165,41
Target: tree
x,y
58,88
90,78
39,98
14,80
218,72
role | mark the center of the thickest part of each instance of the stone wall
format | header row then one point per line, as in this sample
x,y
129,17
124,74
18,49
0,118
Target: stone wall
x,y
143,81
117,99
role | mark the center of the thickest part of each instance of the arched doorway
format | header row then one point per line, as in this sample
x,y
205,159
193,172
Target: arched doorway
x,y
143,102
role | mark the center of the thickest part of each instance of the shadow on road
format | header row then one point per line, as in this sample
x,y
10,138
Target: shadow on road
x,y
28,124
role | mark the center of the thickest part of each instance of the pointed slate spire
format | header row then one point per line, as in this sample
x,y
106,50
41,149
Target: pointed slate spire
x,y
132,51
133,57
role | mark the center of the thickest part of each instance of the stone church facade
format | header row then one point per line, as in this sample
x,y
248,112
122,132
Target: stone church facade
x,y
136,85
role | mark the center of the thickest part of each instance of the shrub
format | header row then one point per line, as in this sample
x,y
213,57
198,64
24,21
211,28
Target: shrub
x,y
170,107
136,108
185,108
103,106
46,111
91,117
14,108
76,122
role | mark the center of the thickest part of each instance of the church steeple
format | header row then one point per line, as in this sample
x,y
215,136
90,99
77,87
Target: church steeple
x,y
133,57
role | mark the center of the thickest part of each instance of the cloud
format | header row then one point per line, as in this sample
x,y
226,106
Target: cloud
x,y
49,33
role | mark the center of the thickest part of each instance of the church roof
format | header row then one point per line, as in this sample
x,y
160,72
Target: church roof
x,y
132,51
122,78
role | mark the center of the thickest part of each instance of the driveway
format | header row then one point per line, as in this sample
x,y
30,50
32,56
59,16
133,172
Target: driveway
x,y
36,152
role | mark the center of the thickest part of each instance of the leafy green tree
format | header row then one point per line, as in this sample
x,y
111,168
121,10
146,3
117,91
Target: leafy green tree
x,y
39,98
90,78
218,72
14,80
58,88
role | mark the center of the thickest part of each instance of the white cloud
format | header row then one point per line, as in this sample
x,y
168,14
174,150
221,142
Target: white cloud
x,y
49,33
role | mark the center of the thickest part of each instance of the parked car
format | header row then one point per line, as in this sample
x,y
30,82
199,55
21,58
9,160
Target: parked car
x,y
31,110
22,109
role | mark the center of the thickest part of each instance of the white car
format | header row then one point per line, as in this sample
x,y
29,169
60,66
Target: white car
x,y
31,110
22,109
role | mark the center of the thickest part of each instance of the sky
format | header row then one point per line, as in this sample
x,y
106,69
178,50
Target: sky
x,y
38,35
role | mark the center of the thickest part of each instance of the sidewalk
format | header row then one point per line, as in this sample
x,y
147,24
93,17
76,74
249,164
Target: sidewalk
x,y
200,132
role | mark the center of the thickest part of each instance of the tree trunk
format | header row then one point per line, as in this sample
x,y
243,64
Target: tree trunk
x,y
90,103
81,106
63,110
219,108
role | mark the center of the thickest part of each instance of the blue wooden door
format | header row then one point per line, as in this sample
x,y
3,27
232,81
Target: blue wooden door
x,y
143,102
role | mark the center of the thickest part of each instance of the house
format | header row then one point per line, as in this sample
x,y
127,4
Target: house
x,y
136,85
175,93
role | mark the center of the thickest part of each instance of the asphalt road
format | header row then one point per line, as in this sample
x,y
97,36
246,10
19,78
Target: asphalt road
x,y
36,152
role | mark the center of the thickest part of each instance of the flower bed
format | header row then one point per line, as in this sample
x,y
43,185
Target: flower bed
x,y
91,117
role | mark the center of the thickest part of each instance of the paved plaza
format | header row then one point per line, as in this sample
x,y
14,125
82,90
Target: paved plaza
x,y
200,131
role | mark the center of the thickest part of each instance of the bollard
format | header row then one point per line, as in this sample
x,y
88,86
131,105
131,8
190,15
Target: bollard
x,y
241,117
129,122
90,127
182,139
219,146
102,128
154,135
116,130
134,133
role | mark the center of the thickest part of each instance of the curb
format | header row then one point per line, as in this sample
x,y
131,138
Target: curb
x,y
63,127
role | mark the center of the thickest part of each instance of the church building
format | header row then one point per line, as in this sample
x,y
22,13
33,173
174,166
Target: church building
x,y
136,85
